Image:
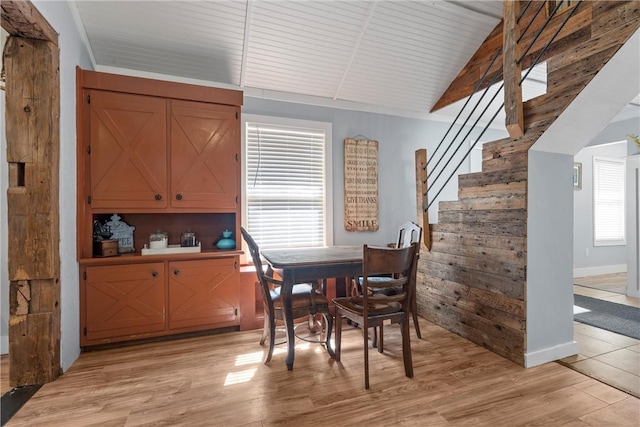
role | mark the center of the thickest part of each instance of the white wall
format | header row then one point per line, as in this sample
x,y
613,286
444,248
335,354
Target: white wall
x,y
72,53
398,139
549,258
589,259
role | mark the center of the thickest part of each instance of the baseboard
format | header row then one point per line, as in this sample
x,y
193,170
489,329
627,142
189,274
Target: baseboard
x,y
550,354
596,271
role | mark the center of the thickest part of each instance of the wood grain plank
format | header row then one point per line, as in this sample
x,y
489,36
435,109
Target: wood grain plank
x,y
511,243
511,287
213,379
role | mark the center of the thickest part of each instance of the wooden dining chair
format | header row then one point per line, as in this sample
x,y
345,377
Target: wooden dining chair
x,y
307,300
373,309
408,233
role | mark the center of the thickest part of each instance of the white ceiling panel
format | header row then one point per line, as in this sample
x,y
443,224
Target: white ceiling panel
x,y
387,55
301,47
191,39
411,52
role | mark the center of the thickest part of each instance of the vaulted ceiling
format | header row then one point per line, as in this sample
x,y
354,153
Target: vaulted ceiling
x,y
395,57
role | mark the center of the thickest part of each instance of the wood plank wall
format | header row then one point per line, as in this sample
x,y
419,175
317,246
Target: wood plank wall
x,y
473,281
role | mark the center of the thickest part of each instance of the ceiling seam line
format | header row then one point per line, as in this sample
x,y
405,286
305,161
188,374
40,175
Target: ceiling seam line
x,y
356,46
245,44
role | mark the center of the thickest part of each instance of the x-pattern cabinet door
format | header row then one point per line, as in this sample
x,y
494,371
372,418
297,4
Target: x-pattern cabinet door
x,y
204,292
127,150
124,300
204,155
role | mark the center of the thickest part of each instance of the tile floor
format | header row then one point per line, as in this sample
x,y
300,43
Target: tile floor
x,y
606,356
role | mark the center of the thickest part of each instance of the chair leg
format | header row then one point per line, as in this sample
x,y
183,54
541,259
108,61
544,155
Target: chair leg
x,y
415,323
312,323
328,318
374,342
338,335
366,358
272,339
414,312
381,340
265,328
406,348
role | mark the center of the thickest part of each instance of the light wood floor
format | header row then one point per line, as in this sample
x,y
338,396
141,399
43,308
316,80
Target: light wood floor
x,y
219,380
609,357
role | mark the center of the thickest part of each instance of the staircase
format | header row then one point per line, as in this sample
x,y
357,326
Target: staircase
x,y
473,280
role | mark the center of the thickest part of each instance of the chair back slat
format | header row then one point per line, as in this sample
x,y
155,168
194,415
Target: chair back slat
x,y
399,263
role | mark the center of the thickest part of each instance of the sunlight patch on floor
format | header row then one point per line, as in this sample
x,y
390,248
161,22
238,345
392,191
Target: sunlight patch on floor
x,y
249,359
239,377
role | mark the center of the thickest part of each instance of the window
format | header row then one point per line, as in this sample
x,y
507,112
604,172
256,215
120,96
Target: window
x,y
608,201
287,182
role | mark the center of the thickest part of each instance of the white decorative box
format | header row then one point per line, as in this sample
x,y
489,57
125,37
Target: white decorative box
x,y
171,249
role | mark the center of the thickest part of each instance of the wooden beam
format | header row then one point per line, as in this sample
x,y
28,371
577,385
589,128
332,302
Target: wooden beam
x,y
33,154
21,18
576,31
511,70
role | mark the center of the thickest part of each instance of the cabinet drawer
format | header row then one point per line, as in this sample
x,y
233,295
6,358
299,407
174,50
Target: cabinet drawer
x,y
124,300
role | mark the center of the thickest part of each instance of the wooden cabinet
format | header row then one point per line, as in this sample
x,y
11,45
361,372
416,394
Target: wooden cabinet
x,y
142,300
138,160
204,293
161,155
123,301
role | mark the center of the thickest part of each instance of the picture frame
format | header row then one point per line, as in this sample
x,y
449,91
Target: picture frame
x,y
577,176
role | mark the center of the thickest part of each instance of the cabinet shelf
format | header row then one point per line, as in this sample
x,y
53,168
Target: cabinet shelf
x,y
138,258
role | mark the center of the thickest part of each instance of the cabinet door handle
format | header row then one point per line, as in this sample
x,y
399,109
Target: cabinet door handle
x,y
154,273
178,196
176,272
158,197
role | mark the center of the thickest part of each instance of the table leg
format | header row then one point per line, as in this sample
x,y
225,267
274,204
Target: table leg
x,y
287,287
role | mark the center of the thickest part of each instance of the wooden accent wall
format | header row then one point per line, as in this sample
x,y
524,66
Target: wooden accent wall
x,y
473,281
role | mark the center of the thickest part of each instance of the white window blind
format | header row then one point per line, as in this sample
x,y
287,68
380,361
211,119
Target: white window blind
x,y
608,201
285,185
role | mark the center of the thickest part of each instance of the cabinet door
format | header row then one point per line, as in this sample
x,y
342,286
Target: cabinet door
x,y
205,143
124,301
204,293
128,150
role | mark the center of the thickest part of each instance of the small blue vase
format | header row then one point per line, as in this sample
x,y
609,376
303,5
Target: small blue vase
x,y
226,242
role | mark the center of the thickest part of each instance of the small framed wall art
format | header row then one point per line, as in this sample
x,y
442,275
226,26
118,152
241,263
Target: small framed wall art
x,y
577,176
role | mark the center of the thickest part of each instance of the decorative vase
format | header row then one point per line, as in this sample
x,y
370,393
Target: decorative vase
x,y
226,242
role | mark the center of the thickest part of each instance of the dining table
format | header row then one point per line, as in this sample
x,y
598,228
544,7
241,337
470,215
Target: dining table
x,y
304,265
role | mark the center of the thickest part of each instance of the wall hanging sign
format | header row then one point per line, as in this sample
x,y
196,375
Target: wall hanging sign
x,y
360,185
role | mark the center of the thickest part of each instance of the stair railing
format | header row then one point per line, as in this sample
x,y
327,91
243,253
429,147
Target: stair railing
x,y
437,170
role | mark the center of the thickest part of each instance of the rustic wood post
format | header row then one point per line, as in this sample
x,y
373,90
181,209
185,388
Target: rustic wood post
x,y
33,151
512,70
422,202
